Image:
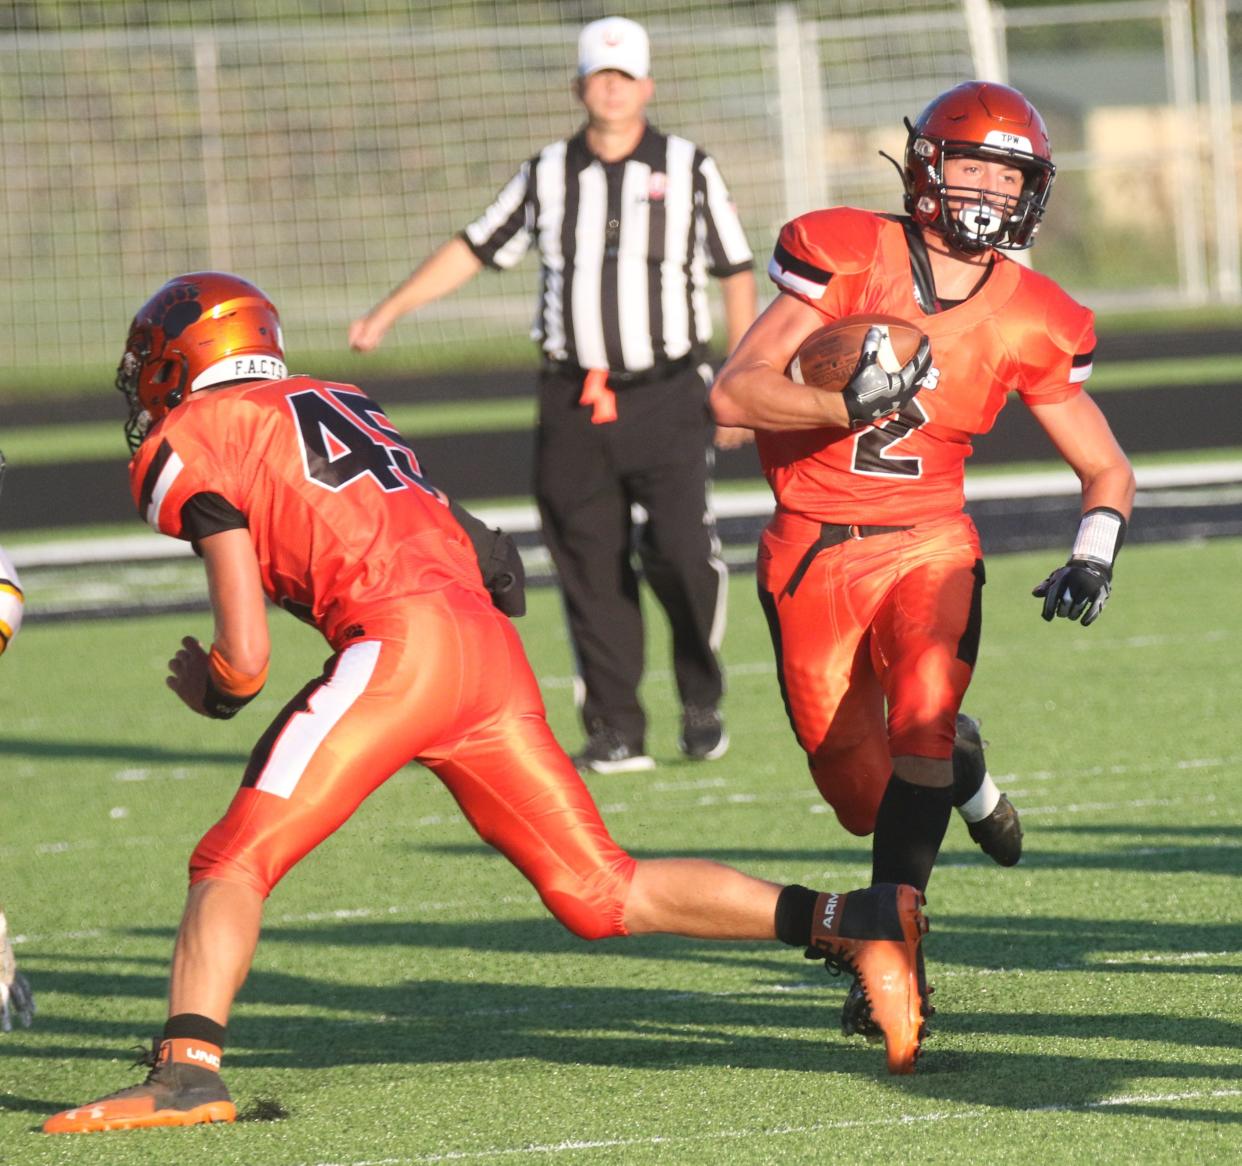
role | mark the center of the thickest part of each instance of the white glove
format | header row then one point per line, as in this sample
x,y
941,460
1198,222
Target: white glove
x,y
15,994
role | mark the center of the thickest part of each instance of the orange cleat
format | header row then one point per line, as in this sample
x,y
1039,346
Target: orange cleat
x,y
877,934
177,1092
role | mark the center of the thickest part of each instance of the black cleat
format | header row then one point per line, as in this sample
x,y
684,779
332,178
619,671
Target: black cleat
x,y
999,835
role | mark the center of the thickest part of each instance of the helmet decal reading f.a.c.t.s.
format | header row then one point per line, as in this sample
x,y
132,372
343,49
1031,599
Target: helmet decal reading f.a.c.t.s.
x,y
994,123
198,330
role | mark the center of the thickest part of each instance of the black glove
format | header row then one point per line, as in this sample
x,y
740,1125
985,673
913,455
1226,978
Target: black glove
x,y
500,564
873,393
1079,589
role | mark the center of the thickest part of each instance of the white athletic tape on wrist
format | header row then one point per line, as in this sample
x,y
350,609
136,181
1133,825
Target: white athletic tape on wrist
x,y
1098,533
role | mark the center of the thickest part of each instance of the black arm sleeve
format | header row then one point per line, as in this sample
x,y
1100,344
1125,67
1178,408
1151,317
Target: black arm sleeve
x,y
208,513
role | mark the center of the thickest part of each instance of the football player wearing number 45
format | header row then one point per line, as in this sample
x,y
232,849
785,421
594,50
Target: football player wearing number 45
x,y
300,491
870,572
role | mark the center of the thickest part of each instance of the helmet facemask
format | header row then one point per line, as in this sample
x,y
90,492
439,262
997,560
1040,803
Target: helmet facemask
x,y
992,123
974,219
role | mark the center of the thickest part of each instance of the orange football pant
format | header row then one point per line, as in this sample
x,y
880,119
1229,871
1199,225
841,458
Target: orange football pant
x,y
443,679
875,648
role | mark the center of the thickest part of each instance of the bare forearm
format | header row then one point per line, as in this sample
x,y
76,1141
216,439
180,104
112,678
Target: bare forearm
x,y
1083,438
237,602
759,397
1113,487
443,271
752,389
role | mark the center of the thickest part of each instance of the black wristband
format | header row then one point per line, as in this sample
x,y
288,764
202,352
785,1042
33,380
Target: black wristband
x,y
221,705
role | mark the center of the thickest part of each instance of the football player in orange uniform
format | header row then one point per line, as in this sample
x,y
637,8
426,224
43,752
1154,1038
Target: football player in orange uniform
x,y
870,573
301,491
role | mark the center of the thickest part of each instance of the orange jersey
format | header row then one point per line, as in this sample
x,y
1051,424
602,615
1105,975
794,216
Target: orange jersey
x,y
1019,332
341,518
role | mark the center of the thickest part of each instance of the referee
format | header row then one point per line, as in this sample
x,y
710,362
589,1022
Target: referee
x,y
628,222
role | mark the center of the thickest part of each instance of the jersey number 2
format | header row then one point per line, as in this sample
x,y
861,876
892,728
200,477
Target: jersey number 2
x,y
873,448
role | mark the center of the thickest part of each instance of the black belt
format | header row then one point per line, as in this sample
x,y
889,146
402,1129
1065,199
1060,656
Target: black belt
x,y
830,535
620,379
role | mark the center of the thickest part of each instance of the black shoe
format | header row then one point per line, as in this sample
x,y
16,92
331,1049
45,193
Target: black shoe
x,y
607,751
703,736
999,835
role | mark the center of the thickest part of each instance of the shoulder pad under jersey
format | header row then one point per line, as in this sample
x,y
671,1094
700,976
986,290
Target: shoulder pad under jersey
x,y
1069,325
816,246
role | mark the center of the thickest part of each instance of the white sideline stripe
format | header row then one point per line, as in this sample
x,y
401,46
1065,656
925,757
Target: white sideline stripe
x,y
574,1145
525,518
304,732
735,798
1184,957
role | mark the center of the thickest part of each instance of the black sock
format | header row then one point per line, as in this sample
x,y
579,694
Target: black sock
x,y
871,915
192,1026
794,910
909,829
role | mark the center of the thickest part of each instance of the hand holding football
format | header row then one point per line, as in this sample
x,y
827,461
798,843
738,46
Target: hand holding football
x,y
828,357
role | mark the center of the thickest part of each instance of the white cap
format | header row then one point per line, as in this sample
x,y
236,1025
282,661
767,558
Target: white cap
x,y
614,43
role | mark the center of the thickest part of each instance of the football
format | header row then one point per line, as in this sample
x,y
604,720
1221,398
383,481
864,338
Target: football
x,y
828,356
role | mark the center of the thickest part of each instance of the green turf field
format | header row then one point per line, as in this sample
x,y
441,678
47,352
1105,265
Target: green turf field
x,y
412,1003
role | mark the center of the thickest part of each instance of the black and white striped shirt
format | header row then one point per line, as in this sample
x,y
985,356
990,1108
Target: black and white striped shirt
x,y
625,248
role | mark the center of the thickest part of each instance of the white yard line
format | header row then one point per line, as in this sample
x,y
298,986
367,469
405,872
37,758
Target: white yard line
x,y
55,847
574,1145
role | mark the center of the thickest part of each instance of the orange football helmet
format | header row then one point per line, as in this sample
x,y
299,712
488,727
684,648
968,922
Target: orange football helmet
x,y
979,119
198,330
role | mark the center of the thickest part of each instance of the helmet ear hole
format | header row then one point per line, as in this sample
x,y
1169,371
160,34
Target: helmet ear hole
x,y
164,373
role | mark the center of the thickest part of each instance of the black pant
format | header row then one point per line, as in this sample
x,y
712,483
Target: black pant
x,y
587,477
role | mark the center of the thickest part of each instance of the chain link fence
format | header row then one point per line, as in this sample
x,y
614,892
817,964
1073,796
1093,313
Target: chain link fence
x,y
323,155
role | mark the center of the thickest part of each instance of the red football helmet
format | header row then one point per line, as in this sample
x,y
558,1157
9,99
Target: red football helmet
x,y
979,119
198,330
